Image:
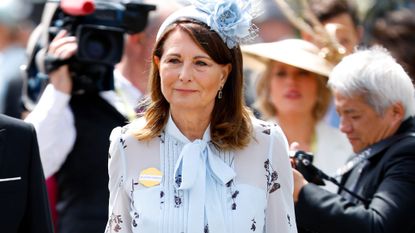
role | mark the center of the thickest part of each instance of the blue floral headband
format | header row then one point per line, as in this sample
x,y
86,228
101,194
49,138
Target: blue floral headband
x,y
231,19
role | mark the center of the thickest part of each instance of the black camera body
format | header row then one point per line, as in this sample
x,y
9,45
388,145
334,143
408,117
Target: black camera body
x,y
304,164
100,37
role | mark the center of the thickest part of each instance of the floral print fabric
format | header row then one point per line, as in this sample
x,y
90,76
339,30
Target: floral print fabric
x,y
258,198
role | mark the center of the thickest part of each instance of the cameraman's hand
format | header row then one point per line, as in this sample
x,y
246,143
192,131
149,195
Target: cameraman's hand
x,y
62,47
294,147
299,180
299,183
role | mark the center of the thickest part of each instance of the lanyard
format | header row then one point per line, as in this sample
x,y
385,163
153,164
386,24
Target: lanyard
x,y
371,151
129,110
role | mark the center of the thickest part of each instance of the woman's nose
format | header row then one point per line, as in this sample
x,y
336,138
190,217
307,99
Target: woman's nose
x,y
186,73
291,78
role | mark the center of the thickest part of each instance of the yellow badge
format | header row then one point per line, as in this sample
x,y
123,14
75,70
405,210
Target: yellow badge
x,y
150,177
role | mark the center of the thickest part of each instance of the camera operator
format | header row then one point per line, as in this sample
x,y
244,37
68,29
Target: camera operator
x,y
375,100
73,129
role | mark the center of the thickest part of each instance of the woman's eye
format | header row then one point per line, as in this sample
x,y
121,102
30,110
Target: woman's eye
x,y
173,60
201,63
303,73
280,74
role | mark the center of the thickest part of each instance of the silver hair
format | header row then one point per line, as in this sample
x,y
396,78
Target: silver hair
x,y
375,75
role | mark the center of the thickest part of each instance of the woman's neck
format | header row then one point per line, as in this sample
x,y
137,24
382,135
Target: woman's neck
x,y
298,128
192,124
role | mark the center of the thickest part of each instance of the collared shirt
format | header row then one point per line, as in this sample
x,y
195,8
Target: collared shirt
x,y
197,188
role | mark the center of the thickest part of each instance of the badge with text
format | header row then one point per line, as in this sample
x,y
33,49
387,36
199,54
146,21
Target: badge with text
x,y
150,177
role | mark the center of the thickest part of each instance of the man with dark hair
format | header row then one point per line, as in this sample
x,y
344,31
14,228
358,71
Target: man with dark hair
x,y
341,14
328,9
340,19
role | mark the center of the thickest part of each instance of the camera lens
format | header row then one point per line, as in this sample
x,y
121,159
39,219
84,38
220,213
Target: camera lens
x,y
97,47
100,44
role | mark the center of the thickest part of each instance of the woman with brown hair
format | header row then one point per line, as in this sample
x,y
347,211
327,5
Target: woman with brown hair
x,y
292,91
197,161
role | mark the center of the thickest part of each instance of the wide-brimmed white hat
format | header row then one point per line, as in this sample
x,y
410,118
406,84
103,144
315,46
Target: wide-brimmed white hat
x,y
295,52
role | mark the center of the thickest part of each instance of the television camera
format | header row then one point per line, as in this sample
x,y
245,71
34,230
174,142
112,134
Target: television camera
x,y
99,27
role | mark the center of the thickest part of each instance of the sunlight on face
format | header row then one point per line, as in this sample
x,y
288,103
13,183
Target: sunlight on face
x,y
190,79
361,124
293,90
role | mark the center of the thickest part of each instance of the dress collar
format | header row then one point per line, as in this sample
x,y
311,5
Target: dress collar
x,y
171,129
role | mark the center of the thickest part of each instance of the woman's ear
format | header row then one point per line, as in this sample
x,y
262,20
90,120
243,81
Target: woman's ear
x,y
226,71
157,61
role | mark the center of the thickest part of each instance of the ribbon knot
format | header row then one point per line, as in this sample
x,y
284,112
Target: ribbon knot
x,y
198,169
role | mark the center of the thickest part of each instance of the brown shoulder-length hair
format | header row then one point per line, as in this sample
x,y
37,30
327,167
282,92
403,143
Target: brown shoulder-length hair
x,y
230,123
267,108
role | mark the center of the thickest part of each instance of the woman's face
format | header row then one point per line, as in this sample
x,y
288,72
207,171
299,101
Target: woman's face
x,y
190,79
292,90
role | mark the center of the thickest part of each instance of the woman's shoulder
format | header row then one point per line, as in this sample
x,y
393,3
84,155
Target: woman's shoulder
x,y
123,139
128,130
266,129
262,126
136,125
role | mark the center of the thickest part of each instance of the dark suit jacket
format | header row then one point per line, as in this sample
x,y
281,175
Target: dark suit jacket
x,y
23,198
13,105
388,182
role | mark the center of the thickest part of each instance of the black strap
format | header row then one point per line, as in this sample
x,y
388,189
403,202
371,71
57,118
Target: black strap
x,y
52,63
360,159
359,163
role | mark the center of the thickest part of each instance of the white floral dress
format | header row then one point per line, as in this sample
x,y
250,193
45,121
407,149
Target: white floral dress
x,y
200,189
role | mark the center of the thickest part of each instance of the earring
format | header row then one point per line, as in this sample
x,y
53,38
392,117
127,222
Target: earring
x,y
220,93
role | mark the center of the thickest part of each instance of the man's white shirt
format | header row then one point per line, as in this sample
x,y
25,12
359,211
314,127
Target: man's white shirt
x,y
54,121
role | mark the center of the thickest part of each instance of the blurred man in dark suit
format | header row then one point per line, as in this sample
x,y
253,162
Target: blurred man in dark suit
x,y
23,197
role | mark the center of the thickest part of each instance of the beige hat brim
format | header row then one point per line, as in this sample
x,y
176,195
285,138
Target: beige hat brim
x,y
294,52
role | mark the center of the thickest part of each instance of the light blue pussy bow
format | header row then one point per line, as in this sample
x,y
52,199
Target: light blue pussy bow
x,y
200,170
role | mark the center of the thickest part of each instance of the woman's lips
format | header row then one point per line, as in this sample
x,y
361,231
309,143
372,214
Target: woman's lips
x,y
185,90
293,95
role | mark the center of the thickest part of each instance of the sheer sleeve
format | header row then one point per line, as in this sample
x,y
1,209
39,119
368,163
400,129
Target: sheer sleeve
x,y
119,219
280,214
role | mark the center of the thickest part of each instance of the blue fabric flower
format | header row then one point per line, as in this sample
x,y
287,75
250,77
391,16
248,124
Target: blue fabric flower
x,y
230,21
206,6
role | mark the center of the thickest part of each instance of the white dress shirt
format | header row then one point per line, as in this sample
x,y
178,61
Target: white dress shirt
x,y
54,121
332,151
